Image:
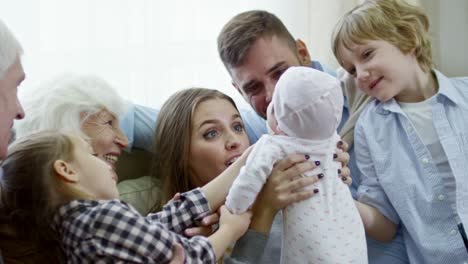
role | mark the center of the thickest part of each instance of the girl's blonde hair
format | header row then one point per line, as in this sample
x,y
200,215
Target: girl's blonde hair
x,y
403,25
30,191
172,142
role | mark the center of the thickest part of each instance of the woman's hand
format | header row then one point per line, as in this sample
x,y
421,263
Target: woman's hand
x,y
283,187
342,156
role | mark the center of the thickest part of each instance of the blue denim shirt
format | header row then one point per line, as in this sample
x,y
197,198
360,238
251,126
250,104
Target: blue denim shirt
x,y
400,179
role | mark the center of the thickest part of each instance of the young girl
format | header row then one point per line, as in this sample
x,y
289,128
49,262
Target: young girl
x,y
53,185
411,140
303,117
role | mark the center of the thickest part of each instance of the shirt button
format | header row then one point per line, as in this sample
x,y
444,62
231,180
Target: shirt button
x,y
425,160
441,197
453,232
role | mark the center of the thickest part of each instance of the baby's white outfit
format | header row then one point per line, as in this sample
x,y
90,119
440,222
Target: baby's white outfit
x,y
327,227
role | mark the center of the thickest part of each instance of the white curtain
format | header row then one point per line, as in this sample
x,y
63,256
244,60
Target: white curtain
x,y
148,49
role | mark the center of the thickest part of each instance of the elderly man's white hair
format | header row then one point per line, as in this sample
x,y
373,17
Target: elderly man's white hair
x,y
65,102
10,49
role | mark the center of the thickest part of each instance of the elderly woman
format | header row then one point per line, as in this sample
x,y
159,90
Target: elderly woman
x,y
84,105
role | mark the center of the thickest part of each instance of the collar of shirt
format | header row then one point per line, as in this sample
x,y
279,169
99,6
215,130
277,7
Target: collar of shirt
x,y
446,92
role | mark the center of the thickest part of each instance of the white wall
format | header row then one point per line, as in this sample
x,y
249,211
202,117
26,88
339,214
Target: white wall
x,y
450,18
449,31
147,49
323,15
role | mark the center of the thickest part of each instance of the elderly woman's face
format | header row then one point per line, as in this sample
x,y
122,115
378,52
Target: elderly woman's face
x,y
107,139
218,139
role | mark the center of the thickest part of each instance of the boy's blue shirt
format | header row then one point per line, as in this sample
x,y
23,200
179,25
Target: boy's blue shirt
x,y
401,180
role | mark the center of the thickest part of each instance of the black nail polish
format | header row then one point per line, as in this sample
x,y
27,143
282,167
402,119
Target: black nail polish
x,y
316,190
320,176
317,163
340,143
307,156
344,178
335,156
339,171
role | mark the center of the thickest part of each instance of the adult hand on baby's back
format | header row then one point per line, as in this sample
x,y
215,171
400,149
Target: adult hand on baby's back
x,y
285,184
283,187
342,156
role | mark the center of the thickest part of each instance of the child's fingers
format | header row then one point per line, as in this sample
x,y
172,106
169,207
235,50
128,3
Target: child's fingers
x,y
176,197
205,228
210,219
199,231
178,254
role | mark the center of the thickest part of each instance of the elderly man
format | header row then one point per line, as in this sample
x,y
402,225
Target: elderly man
x,y
11,76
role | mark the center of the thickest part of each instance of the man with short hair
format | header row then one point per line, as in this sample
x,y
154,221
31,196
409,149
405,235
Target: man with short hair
x,y
256,48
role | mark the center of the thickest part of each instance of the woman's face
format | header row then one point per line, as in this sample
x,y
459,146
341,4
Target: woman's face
x,y
218,138
107,139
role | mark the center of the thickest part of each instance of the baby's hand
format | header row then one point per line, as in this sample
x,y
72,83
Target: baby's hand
x,y
235,225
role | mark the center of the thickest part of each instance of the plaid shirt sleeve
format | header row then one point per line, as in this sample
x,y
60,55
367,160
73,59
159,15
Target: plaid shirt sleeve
x,y
111,231
183,213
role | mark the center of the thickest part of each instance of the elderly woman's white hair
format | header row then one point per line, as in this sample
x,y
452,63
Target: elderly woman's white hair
x,y
65,102
10,49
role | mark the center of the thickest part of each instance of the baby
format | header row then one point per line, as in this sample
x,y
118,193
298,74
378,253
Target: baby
x,y
303,117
